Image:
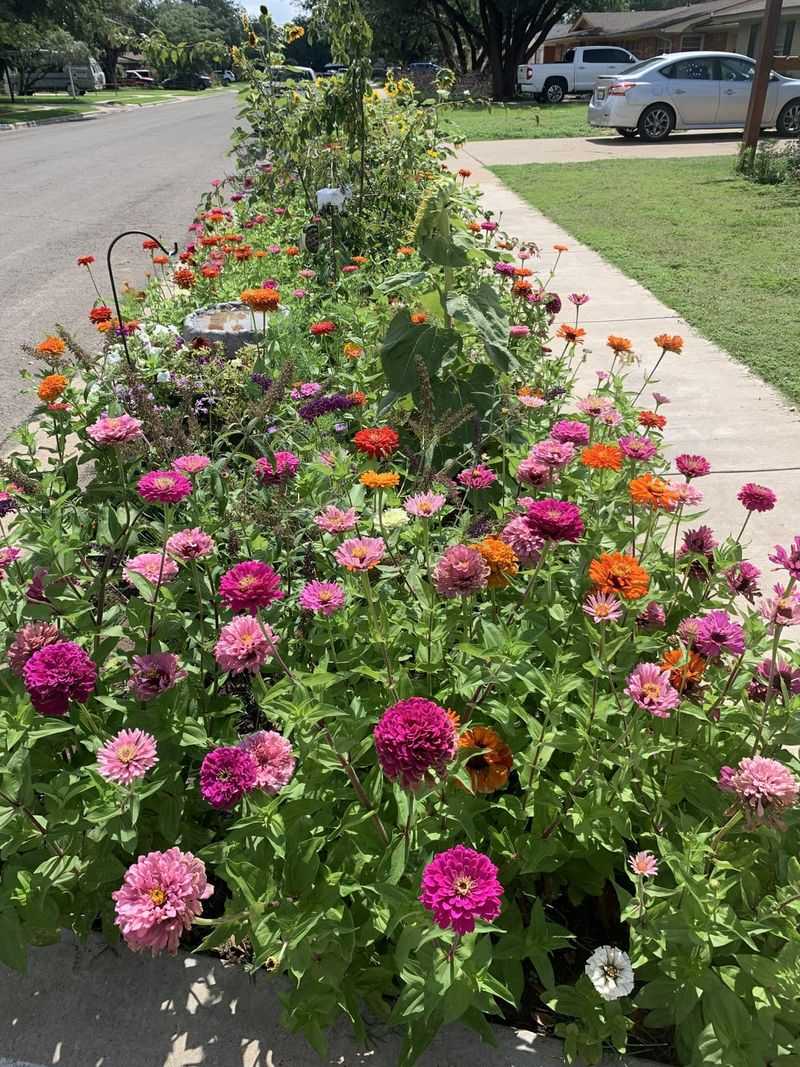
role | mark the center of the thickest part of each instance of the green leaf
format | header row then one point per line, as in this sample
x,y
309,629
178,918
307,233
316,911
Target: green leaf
x,y
404,342
13,952
482,310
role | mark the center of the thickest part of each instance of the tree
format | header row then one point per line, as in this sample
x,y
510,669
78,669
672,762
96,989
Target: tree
x,y
34,50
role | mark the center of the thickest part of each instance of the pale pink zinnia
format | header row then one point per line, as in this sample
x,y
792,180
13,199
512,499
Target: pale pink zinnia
x,y
643,865
360,553
334,520
272,755
244,644
649,687
322,598
190,544
526,544
602,607
553,454
29,639
423,505
152,566
765,788
127,756
115,430
191,464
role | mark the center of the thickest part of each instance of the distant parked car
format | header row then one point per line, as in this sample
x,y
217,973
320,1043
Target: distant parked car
x,y
225,77
279,76
187,81
576,73
83,76
691,90
141,79
424,67
331,69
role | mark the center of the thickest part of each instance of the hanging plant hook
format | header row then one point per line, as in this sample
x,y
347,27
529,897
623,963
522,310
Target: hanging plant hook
x,y
129,233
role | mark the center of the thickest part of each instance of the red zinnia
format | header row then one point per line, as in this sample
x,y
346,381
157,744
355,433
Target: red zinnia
x,y
149,245
652,420
377,443
101,313
85,261
319,328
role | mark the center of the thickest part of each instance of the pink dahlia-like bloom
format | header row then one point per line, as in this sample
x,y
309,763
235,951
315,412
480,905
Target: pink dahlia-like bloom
x,y
764,788
334,520
322,598
29,639
273,757
244,644
643,865
555,520
7,557
152,566
250,586
126,757
691,466
653,617
413,738
637,446
570,431
687,494
461,571
787,560
532,472
115,430
159,899
190,544
649,688
57,674
480,477
717,633
226,774
360,553
526,544
553,454
743,578
756,497
280,470
154,674
192,464
602,607
460,886
519,330
531,402
424,505
783,609
163,487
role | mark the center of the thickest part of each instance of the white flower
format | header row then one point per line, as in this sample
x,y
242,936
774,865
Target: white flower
x,y
394,517
610,972
334,198
163,376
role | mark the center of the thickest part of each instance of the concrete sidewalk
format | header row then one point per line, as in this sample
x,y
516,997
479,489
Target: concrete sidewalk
x,y
718,407
97,1007
588,149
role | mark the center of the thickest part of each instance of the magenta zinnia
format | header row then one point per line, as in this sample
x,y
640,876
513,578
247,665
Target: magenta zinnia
x,y
460,886
756,497
154,674
555,520
650,689
57,674
413,738
226,774
526,544
163,487
244,644
787,559
718,633
272,755
480,477
281,469
159,899
249,586
126,757
570,430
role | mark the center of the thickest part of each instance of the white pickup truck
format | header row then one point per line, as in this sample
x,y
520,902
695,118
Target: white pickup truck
x,y
576,73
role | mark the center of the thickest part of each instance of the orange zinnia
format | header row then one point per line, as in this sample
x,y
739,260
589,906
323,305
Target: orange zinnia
x,y
602,457
670,342
419,317
522,272
360,260
614,572
574,335
353,351
501,558
376,480
474,227
684,671
51,346
521,287
406,250
652,492
490,767
51,387
561,248
619,344
652,420
261,299
292,250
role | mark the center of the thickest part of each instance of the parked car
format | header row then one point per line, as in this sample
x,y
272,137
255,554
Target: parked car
x,y
187,81
689,91
331,69
141,79
225,77
424,67
83,77
280,76
576,73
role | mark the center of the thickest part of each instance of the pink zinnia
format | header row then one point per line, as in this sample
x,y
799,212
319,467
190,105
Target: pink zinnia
x,y
281,470
115,430
764,788
717,632
163,487
323,598
519,330
526,544
649,688
360,553
532,472
757,497
687,493
461,571
152,566
531,402
413,738
571,431
335,520
249,586
159,899
244,644
553,454
226,774
653,617
154,674
57,674
424,505
643,865
555,520
637,446
781,610
272,755
602,607
7,557
190,544
595,407
460,886
743,578
787,560
126,757
691,466
191,464
480,477
29,639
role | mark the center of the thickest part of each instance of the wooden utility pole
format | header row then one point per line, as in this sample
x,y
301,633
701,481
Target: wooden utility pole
x,y
758,93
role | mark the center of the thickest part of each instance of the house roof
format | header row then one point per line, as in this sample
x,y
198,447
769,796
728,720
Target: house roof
x,y
673,19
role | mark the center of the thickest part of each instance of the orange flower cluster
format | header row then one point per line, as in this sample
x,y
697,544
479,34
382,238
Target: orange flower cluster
x,y
209,241
685,669
100,313
51,346
670,342
161,261
85,261
243,254
405,250
614,572
501,558
358,397
652,492
51,387
261,299
360,260
419,317
602,457
491,765
376,480
292,250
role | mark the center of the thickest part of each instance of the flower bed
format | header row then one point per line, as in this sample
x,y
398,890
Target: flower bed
x,y
376,656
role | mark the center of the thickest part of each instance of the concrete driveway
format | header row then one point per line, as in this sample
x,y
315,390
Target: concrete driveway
x,y
68,189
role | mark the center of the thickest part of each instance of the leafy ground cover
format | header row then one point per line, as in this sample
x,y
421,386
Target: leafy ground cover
x,y
710,224
502,122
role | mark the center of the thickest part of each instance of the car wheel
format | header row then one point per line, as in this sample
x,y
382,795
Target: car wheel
x,y
788,124
628,132
656,122
554,91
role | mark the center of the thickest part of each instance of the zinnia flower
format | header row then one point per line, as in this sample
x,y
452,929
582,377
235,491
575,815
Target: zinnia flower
x,y
669,342
532,472
501,558
652,420
480,477
322,598
392,518
319,329
190,544
273,758
653,617
743,578
51,387
718,633
573,335
555,520
490,767
159,899
756,497
652,492
637,446
249,586
787,560
692,466
602,607
785,680
685,668
413,738
29,639
526,544
154,674
379,480
334,520
377,443
226,774
783,609
115,430
58,673
610,972
127,756
619,344
461,571
360,553
163,487
602,457
553,454
649,688
643,865
101,313
154,567
424,505
571,431
261,299
51,346
764,789
191,464
460,886
281,470
244,644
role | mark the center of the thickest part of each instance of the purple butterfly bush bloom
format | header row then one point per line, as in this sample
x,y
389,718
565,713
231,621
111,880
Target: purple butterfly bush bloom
x,y
717,632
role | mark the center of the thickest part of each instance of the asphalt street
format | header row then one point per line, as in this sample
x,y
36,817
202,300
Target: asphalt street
x,y
68,189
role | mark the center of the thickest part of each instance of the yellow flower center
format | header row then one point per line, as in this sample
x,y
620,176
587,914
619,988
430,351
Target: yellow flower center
x,y
464,885
158,896
651,690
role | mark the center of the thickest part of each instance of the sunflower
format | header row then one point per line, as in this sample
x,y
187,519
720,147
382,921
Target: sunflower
x,y
501,558
614,572
491,765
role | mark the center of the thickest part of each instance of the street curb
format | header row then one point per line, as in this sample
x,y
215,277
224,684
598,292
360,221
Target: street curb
x,y
114,109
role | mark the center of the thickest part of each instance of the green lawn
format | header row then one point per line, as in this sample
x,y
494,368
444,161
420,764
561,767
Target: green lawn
x,y
59,105
718,249
503,122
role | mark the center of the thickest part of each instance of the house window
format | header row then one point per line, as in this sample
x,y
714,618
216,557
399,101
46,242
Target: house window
x,y
752,41
783,43
691,42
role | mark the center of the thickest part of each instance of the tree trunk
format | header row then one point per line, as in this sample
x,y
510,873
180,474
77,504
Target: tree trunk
x,y
109,57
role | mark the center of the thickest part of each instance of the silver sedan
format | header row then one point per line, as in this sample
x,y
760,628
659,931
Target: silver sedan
x,y
690,91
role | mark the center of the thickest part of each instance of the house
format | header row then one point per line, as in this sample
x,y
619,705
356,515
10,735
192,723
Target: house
x,y
712,25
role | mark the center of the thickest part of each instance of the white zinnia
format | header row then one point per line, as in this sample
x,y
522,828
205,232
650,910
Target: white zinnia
x,y
610,972
394,517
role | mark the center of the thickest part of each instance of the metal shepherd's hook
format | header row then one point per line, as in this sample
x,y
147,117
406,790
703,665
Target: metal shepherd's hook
x,y
129,233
